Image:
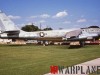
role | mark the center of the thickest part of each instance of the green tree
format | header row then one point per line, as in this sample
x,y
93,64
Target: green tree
x,y
30,28
48,28
93,27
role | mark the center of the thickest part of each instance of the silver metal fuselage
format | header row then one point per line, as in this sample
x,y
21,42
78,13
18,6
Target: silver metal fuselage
x,y
51,35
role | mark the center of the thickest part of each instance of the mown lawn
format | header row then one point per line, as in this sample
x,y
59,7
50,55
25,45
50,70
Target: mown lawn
x,y
36,60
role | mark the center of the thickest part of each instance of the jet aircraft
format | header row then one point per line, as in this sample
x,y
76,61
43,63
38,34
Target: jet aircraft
x,y
10,31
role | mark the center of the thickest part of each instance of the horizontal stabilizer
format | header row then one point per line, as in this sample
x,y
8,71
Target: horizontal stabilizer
x,y
12,32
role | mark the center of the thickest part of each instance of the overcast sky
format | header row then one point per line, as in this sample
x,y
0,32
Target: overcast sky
x,y
53,13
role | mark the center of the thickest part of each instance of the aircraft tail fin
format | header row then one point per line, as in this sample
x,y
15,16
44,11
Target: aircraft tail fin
x,y
6,24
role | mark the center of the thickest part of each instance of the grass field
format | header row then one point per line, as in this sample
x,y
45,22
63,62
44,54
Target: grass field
x,y
36,60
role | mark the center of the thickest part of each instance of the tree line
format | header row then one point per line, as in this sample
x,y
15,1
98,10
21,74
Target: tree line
x,y
31,28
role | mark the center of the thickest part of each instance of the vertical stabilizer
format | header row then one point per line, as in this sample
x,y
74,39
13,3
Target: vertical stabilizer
x,y
6,24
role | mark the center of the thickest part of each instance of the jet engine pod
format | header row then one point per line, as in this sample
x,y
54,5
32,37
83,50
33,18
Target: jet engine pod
x,y
42,34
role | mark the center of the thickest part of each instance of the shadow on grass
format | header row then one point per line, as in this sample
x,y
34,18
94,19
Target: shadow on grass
x,y
74,47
